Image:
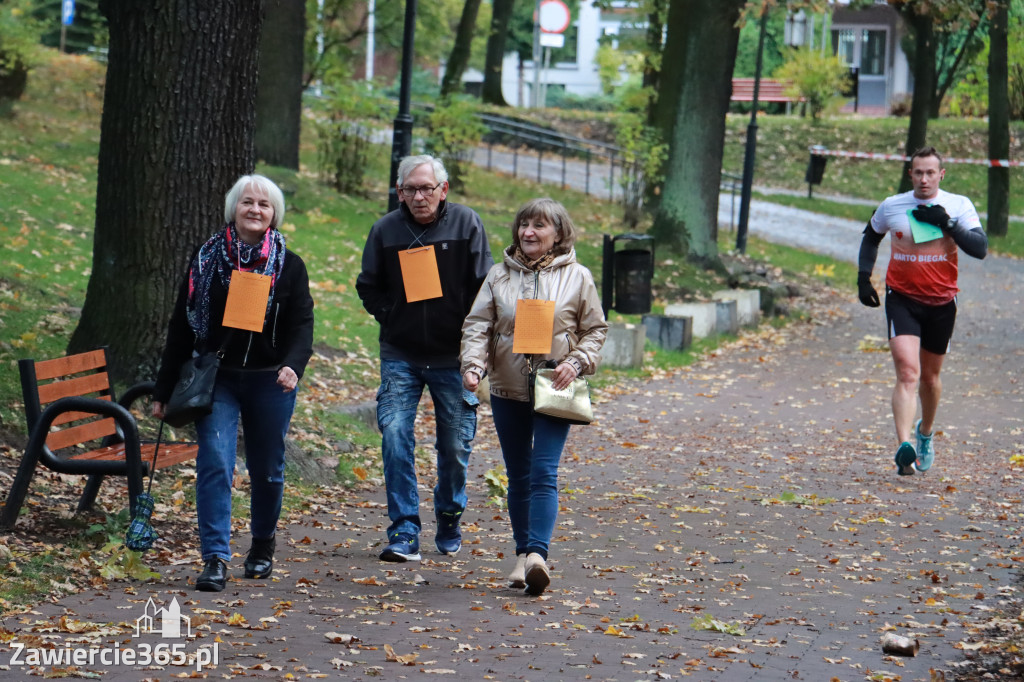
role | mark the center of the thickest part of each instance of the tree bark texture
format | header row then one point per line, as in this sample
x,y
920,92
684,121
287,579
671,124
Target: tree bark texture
x,y
501,16
700,51
176,132
451,84
279,93
998,121
924,86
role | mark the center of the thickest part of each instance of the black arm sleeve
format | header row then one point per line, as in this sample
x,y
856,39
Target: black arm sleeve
x,y
869,249
973,242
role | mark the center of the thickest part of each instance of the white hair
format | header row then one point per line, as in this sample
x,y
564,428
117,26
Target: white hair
x,y
264,185
410,163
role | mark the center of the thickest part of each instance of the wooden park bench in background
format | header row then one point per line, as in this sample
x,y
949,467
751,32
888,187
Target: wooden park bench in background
x,y
769,91
76,427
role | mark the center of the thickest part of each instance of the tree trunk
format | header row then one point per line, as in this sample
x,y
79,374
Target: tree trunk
x,y
452,82
697,66
924,86
500,18
945,80
279,93
176,132
652,72
998,122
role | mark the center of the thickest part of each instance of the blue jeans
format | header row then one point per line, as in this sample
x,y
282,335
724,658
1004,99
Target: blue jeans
x,y
266,411
531,445
401,385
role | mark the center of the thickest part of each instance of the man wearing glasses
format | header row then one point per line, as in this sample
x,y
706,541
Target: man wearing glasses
x,y
423,265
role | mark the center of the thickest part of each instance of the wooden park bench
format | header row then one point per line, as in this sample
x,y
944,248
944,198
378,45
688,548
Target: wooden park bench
x,y
75,426
770,91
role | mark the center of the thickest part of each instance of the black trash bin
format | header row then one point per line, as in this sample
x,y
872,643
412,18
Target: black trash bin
x,y
628,273
815,168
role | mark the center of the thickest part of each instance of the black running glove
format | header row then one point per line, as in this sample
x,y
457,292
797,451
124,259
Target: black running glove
x,y
867,293
933,215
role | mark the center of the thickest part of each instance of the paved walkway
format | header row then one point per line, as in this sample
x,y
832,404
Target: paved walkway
x,y
740,519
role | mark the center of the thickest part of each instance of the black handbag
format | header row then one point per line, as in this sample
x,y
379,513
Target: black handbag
x,y
192,397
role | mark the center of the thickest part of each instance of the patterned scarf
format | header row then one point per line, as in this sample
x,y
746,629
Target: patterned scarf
x,y
222,253
538,264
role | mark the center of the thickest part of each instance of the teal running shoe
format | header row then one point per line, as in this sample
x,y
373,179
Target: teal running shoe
x,y
905,457
925,451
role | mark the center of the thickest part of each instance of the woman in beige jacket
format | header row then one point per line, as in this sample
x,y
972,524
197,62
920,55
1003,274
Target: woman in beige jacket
x,y
540,264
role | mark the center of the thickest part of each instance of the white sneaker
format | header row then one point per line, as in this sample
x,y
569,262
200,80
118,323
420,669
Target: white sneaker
x,y
517,578
537,576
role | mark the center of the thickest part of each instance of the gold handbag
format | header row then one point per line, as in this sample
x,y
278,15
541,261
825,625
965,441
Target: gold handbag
x,y
571,404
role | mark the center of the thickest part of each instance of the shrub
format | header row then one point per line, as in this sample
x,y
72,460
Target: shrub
x,y
455,133
819,79
19,45
345,135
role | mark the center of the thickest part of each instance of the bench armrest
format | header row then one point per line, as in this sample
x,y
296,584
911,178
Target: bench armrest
x,y
125,424
139,390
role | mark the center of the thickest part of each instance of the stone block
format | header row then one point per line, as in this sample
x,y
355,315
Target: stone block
x,y
704,315
624,346
669,332
748,304
726,320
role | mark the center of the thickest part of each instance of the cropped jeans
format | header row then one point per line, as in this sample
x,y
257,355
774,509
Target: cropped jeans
x,y
266,412
531,445
401,385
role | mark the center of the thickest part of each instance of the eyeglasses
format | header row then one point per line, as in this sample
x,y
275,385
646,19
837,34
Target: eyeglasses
x,y
410,192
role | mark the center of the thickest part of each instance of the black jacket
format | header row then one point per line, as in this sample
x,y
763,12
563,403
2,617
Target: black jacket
x,y
425,333
286,339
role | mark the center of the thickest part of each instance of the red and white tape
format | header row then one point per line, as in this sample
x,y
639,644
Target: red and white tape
x,y
996,163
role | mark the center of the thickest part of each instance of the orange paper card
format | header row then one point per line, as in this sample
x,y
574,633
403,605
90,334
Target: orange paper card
x,y
247,301
535,323
419,274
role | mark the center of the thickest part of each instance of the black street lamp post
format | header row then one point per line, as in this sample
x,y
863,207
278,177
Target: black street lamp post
x,y
751,146
401,141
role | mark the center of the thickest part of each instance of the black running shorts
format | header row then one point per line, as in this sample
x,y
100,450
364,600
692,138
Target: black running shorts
x,y
932,323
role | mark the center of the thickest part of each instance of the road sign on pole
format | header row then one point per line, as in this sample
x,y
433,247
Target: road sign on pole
x,y
67,12
554,16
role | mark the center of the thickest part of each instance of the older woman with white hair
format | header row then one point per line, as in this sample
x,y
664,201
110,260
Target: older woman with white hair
x,y
258,375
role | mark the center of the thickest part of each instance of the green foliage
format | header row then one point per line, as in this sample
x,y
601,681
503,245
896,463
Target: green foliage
x,y
455,132
567,101
423,85
112,530
969,97
19,39
19,34
789,497
709,622
497,486
345,135
746,50
817,78
609,66
643,156
88,29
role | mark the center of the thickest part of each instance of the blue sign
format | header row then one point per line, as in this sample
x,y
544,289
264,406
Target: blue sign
x,y
67,12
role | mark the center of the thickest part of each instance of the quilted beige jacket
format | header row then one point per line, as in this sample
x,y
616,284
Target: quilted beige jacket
x,y
579,329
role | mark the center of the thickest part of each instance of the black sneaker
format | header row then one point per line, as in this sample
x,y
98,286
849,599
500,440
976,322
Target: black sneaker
x,y
449,535
905,458
402,548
